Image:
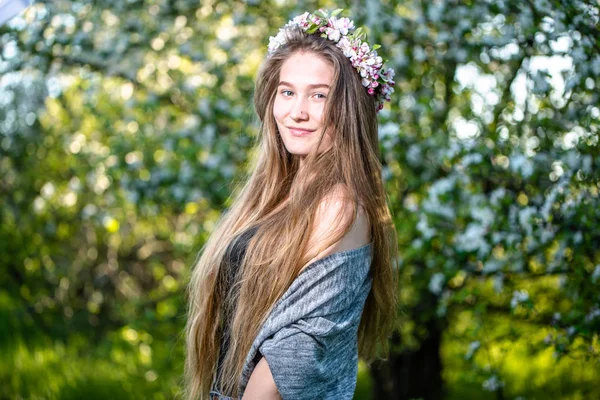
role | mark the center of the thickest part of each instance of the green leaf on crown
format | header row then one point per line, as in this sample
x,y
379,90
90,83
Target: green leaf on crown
x,y
321,14
312,29
336,12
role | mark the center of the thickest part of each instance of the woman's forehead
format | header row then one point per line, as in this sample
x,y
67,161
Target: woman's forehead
x,y
306,69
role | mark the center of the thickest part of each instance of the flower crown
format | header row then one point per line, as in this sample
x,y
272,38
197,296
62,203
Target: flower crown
x,y
352,42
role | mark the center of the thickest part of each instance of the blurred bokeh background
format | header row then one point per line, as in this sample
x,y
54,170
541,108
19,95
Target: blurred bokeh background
x,y
125,126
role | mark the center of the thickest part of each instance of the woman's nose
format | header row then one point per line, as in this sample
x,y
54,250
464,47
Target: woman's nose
x,y
299,110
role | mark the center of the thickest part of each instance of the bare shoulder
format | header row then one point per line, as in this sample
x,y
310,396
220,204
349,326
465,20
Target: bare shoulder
x,y
334,212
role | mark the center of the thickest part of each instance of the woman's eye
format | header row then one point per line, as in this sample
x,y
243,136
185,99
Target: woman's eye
x,y
320,96
286,93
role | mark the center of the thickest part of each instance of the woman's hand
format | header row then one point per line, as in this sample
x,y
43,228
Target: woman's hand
x,y
261,385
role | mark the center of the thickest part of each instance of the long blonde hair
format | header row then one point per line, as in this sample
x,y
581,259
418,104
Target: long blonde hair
x,y
278,250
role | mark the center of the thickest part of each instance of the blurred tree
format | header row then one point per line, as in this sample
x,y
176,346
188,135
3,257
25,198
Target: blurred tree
x,y
492,157
124,127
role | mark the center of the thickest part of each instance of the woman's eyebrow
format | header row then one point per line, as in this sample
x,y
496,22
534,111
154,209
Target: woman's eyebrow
x,y
313,86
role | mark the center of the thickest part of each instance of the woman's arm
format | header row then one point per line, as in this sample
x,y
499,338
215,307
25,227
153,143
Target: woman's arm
x,y
261,384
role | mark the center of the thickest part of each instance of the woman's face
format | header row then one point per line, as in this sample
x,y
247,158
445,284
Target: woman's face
x,y
304,83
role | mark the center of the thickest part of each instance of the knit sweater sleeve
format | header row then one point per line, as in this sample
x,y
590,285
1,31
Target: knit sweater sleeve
x,y
310,337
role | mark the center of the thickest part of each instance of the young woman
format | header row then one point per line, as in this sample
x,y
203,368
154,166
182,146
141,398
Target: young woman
x,y
297,279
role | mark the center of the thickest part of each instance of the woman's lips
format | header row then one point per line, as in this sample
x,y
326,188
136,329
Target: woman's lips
x,y
300,131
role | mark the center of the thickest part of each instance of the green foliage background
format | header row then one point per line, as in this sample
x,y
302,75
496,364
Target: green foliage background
x,y
125,126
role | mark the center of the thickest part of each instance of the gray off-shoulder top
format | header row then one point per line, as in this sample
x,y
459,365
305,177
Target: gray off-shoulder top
x,y
310,337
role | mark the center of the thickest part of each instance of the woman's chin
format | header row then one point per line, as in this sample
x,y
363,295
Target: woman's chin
x,y
297,153
302,150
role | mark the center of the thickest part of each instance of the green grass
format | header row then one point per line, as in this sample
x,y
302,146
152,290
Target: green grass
x,y
147,363
53,371
127,364
514,351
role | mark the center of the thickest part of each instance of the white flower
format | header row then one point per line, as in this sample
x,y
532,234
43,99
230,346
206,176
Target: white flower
x,y
424,228
276,41
414,155
436,283
593,314
473,238
497,195
390,73
493,384
483,214
596,273
301,19
556,316
342,24
442,186
519,163
389,130
333,34
519,296
498,283
473,347
346,46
